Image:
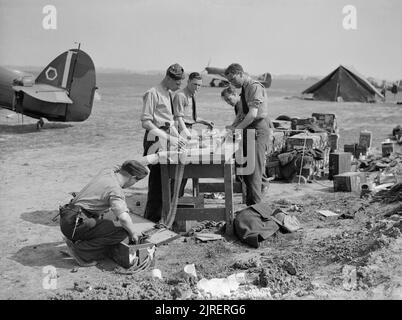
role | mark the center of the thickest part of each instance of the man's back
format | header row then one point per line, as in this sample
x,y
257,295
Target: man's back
x,y
103,192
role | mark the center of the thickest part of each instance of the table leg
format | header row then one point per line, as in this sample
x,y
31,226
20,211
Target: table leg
x,y
196,187
165,191
228,181
243,192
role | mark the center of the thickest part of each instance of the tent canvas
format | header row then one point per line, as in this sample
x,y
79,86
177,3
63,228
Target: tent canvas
x,y
346,84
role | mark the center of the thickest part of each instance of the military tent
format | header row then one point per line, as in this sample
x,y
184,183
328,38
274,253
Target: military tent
x,y
344,84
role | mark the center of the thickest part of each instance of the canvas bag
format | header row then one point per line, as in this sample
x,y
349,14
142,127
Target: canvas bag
x,y
258,222
253,224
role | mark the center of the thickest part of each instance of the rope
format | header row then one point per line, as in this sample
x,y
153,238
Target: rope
x,y
301,163
136,269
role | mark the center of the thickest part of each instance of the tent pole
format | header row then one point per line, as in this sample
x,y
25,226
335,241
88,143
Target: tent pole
x,y
336,92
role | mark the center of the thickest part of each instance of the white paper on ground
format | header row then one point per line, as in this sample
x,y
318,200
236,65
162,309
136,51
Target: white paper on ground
x,y
328,213
220,287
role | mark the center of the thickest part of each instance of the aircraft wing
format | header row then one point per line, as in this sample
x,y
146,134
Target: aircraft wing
x,y
46,93
218,77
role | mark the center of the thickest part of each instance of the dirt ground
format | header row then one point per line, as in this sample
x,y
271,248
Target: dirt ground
x,y
357,258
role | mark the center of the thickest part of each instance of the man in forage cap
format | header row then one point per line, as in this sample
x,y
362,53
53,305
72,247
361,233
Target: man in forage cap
x,y
158,121
88,236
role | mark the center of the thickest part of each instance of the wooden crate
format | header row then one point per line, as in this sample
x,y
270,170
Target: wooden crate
x,y
300,124
326,121
310,140
120,253
191,202
339,162
351,148
365,139
349,181
333,140
360,150
387,148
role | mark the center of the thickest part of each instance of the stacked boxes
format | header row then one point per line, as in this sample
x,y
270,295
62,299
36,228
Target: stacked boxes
x,y
326,121
361,148
311,140
355,149
300,124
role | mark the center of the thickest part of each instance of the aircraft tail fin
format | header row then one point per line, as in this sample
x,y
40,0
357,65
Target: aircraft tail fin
x,y
73,71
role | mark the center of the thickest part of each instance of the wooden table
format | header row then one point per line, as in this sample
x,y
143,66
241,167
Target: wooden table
x,y
214,164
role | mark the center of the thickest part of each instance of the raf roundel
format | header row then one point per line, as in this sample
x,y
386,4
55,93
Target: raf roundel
x,y
51,73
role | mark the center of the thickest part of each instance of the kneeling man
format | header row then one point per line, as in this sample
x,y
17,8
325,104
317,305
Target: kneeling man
x,y
87,234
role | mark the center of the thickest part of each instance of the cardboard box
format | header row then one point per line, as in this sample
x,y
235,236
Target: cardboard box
x,y
349,181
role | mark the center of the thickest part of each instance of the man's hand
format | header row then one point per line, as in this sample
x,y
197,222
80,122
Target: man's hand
x,y
229,132
135,238
233,134
179,142
127,223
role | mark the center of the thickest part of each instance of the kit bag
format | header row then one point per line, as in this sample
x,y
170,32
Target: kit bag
x,y
253,224
258,222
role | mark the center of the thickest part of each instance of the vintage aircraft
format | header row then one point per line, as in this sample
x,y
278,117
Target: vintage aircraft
x,y
384,85
64,91
218,79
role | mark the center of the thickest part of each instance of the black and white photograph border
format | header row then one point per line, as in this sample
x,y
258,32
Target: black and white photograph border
x,y
217,150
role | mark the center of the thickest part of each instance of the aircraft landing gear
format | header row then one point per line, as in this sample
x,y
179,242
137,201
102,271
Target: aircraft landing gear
x,y
39,124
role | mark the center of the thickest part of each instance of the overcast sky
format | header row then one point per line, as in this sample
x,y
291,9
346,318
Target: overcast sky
x,y
278,36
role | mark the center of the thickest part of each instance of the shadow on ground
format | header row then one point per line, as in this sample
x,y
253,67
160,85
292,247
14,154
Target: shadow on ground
x,y
43,217
44,254
30,128
54,254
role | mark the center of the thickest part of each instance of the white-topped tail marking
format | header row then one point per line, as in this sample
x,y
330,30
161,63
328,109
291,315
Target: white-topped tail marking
x,y
67,69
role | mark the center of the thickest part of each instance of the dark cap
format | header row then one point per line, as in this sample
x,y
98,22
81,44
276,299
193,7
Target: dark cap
x,y
194,75
234,68
175,71
135,168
